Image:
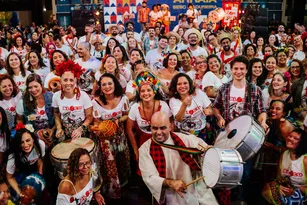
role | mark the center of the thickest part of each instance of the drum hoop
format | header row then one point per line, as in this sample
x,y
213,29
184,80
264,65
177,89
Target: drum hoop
x,y
61,159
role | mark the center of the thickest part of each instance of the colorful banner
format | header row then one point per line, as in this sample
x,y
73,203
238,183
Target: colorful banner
x,y
114,10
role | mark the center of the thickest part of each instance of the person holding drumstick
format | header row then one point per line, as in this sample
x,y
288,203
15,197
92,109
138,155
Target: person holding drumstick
x,y
237,98
77,186
166,171
72,107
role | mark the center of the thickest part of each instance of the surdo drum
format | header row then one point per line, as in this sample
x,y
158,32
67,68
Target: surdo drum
x,y
222,168
243,134
61,152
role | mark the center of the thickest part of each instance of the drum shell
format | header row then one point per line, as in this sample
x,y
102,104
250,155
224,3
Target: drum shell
x,y
60,164
222,168
249,143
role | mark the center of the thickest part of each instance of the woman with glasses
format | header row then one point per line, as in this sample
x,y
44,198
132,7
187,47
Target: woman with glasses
x,y
199,71
77,186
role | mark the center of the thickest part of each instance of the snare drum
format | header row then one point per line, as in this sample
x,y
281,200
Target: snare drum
x,y
222,168
243,134
61,152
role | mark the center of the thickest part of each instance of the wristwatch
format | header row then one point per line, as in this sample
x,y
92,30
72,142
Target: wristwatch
x,y
84,128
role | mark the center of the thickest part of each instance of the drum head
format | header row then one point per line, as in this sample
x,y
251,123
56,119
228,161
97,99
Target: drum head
x,y
211,167
63,150
234,132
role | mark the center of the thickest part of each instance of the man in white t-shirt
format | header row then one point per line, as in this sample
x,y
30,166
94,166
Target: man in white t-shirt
x,y
60,46
91,65
155,57
130,27
193,36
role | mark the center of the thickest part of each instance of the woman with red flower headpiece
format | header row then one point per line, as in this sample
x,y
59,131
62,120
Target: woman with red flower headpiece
x,y
279,89
35,108
77,186
9,96
72,107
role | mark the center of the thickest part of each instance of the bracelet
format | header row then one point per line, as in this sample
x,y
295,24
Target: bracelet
x,y
84,128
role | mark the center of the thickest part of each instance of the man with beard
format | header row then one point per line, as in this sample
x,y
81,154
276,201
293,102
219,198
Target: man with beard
x,y
90,64
155,57
113,30
145,32
88,30
213,46
281,30
150,42
143,14
166,171
193,36
130,27
5,193
226,55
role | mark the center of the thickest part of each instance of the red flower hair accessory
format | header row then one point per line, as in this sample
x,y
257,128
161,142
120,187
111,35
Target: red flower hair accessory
x,y
70,66
287,75
19,126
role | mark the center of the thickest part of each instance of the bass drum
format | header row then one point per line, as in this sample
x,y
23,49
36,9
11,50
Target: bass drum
x,y
61,152
222,168
243,134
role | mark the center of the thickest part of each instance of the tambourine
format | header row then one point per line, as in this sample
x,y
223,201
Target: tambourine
x,y
107,127
54,84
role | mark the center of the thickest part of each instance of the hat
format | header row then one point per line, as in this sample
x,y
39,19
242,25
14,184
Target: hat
x,y
121,26
96,40
190,31
225,35
180,16
164,5
172,33
111,26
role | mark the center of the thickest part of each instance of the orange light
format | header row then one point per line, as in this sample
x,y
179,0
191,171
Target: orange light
x,y
97,22
97,13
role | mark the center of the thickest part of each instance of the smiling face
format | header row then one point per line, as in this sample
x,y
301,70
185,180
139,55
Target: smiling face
x,y
172,40
68,82
110,65
260,42
268,51
84,164
250,51
111,43
201,64
162,43
35,89
19,41
107,85
27,143
57,58
146,93
295,69
183,86
118,54
14,62
135,56
270,64
6,194
193,39
132,43
293,140
172,61
160,129
226,44
272,39
278,82
257,69
291,51
282,58
33,59
6,88
277,110
238,71
214,65
186,60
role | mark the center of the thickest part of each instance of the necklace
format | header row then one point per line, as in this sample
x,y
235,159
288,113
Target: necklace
x,y
153,110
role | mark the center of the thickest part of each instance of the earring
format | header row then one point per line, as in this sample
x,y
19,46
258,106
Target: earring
x,y
284,88
31,98
75,90
101,93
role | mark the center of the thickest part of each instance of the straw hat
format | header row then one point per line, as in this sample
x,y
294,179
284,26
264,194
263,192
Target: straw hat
x,y
225,35
190,31
111,26
172,33
96,40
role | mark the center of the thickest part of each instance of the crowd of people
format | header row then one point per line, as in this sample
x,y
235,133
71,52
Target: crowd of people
x,y
141,98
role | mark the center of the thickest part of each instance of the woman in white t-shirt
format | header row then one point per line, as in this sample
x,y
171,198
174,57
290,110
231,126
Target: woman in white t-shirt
x,y
52,81
270,64
5,135
214,78
9,96
149,101
199,71
111,104
19,47
110,65
72,107
189,105
16,70
121,56
77,186
25,158
37,65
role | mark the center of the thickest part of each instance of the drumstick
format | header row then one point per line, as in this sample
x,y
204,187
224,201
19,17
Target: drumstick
x,y
195,180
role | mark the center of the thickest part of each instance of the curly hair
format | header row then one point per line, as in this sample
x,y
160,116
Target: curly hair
x,y
270,88
15,87
72,169
173,85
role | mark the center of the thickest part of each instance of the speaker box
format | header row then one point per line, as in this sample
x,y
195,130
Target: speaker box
x,y
263,12
261,21
261,30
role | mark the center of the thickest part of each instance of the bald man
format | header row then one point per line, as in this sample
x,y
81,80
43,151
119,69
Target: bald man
x,y
90,64
166,171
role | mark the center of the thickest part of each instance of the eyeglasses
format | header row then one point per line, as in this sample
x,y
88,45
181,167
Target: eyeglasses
x,y
201,62
85,164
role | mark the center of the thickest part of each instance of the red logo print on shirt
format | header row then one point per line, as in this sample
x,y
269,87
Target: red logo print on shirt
x,y
12,109
292,173
72,108
238,99
42,112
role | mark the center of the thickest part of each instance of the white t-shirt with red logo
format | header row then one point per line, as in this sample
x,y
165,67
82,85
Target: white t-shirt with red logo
x,y
21,80
237,101
72,110
194,118
9,107
142,123
31,158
